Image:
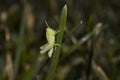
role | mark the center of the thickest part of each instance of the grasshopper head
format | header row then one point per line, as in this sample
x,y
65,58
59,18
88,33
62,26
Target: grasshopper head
x,y
50,31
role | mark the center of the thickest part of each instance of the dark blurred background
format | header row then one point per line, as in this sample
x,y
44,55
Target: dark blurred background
x,y
22,32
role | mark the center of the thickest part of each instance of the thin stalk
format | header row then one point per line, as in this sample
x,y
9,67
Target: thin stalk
x,y
59,37
91,53
40,69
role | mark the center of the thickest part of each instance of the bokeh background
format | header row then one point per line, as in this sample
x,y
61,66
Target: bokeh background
x,y
22,32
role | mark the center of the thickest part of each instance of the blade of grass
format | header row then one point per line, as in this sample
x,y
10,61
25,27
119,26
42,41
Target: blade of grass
x,y
99,71
19,43
95,31
2,52
59,37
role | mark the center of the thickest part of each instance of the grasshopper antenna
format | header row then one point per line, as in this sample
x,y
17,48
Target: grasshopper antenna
x,y
46,23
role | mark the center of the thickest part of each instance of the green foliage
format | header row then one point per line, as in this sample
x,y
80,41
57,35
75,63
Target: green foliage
x,y
22,31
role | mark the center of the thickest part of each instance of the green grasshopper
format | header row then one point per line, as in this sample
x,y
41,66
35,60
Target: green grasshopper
x,y
50,36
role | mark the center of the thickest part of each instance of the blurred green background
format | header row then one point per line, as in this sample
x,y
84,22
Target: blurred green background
x,y
22,32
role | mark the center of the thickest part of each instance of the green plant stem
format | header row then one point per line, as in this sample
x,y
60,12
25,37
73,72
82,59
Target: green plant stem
x,y
59,37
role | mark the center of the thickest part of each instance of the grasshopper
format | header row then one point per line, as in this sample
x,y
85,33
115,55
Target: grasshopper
x,y
50,36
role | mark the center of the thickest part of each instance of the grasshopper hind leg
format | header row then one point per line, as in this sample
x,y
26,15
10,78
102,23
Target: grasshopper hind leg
x,y
50,52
